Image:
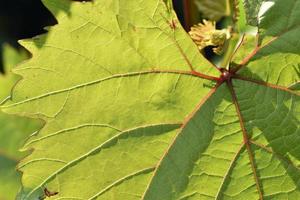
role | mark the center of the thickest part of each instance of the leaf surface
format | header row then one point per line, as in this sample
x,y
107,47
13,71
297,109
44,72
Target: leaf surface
x,y
252,8
277,50
149,117
213,10
13,130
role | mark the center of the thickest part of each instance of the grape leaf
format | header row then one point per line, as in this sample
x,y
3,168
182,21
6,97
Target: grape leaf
x,y
277,48
132,110
13,130
252,8
11,57
213,10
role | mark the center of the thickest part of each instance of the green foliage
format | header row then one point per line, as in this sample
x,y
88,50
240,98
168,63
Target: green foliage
x,y
213,10
10,58
279,47
132,110
13,130
252,10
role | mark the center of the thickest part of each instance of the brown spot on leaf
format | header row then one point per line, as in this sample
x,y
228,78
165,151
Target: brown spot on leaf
x,y
173,24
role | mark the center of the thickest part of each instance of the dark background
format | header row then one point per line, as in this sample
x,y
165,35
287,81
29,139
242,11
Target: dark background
x,y
21,19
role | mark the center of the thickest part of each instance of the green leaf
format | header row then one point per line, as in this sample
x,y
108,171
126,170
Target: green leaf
x,y
213,10
11,57
133,110
13,130
252,8
277,49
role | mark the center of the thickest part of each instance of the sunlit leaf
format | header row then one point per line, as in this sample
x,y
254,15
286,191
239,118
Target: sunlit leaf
x,y
213,10
13,130
133,110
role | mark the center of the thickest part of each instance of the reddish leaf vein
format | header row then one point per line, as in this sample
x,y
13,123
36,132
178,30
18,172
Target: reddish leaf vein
x,y
246,139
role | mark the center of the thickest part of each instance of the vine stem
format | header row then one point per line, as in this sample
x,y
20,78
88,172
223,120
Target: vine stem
x,y
234,14
232,47
234,41
187,17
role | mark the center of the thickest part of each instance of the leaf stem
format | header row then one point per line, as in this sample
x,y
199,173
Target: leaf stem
x,y
187,17
234,14
232,45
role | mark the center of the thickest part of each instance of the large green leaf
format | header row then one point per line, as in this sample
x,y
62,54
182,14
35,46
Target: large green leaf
x,y
13,130
132,110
